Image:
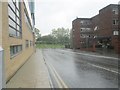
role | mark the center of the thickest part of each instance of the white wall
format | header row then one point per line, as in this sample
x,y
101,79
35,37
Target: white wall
x,y
1,69
0,23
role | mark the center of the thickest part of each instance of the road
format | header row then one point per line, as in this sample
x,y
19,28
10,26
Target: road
x,y
83,70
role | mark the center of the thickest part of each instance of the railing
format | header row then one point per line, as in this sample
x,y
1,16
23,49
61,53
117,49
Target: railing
x,y
2,76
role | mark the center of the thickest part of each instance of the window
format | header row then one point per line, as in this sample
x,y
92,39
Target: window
x,y
30,43
85,22
27,43
116,32
82,36
14,18
115,22
15,49
85,29
81,22
27,19
115,10
96,28
81,29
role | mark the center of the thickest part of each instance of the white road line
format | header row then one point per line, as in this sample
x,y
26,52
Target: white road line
x,y
103,68
99,56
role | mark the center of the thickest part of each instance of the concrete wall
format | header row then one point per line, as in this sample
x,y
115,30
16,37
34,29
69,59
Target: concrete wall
x,y
14,63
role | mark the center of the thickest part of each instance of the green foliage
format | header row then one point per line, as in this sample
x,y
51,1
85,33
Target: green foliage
x,y
61,35
42,46
48,39
37,33
58,36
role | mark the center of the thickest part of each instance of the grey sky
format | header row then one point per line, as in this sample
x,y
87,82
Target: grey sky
x,y
52,14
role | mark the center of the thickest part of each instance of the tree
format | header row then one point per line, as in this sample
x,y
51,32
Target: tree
x,y
47,39
37,33
62,35
57,36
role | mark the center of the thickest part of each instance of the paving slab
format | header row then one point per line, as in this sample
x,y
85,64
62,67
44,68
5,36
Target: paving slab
x,y
33,74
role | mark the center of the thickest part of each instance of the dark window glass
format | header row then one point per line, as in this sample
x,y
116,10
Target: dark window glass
x,y
15,49
27,43
12,31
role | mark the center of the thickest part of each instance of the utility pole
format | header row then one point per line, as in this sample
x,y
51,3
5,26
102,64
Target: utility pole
x,y
2,71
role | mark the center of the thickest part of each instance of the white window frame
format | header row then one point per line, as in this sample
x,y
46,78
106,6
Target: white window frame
x,y
115,10
116,21
115,32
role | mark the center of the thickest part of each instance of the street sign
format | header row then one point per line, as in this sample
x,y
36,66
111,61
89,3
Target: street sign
x,y
2,78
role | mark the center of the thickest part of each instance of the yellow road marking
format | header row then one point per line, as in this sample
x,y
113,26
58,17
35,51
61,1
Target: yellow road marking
x,y
58,79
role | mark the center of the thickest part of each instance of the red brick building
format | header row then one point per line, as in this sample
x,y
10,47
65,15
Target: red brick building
x,y
82,33
100,31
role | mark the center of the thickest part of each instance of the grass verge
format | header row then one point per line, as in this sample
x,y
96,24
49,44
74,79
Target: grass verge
x,y
49,46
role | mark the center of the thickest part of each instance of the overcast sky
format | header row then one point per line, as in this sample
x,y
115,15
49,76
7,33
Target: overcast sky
x,y
52,14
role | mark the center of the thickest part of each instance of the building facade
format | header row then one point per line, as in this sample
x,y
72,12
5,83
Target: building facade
x,y
82,33
100,31
108,26
17,35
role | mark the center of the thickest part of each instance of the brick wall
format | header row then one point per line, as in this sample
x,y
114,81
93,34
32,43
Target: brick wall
x,y
102,28
78,41
14,63
107,28
76,34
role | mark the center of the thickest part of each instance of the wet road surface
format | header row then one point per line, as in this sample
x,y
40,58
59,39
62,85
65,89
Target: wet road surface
x,y
81,70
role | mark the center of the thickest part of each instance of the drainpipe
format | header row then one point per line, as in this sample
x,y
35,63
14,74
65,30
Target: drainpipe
x,y
119,17
2,71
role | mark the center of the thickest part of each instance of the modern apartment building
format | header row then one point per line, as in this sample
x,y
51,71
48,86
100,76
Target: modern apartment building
x,y
100,31
16,34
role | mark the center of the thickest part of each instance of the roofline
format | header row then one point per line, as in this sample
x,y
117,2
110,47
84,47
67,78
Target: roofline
x,y
81,19
95,16
108,6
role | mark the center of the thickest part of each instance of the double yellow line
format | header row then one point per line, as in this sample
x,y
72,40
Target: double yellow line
x,y
58,79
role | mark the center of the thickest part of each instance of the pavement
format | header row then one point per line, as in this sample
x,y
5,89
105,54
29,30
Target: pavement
x,y
98,52
33,74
